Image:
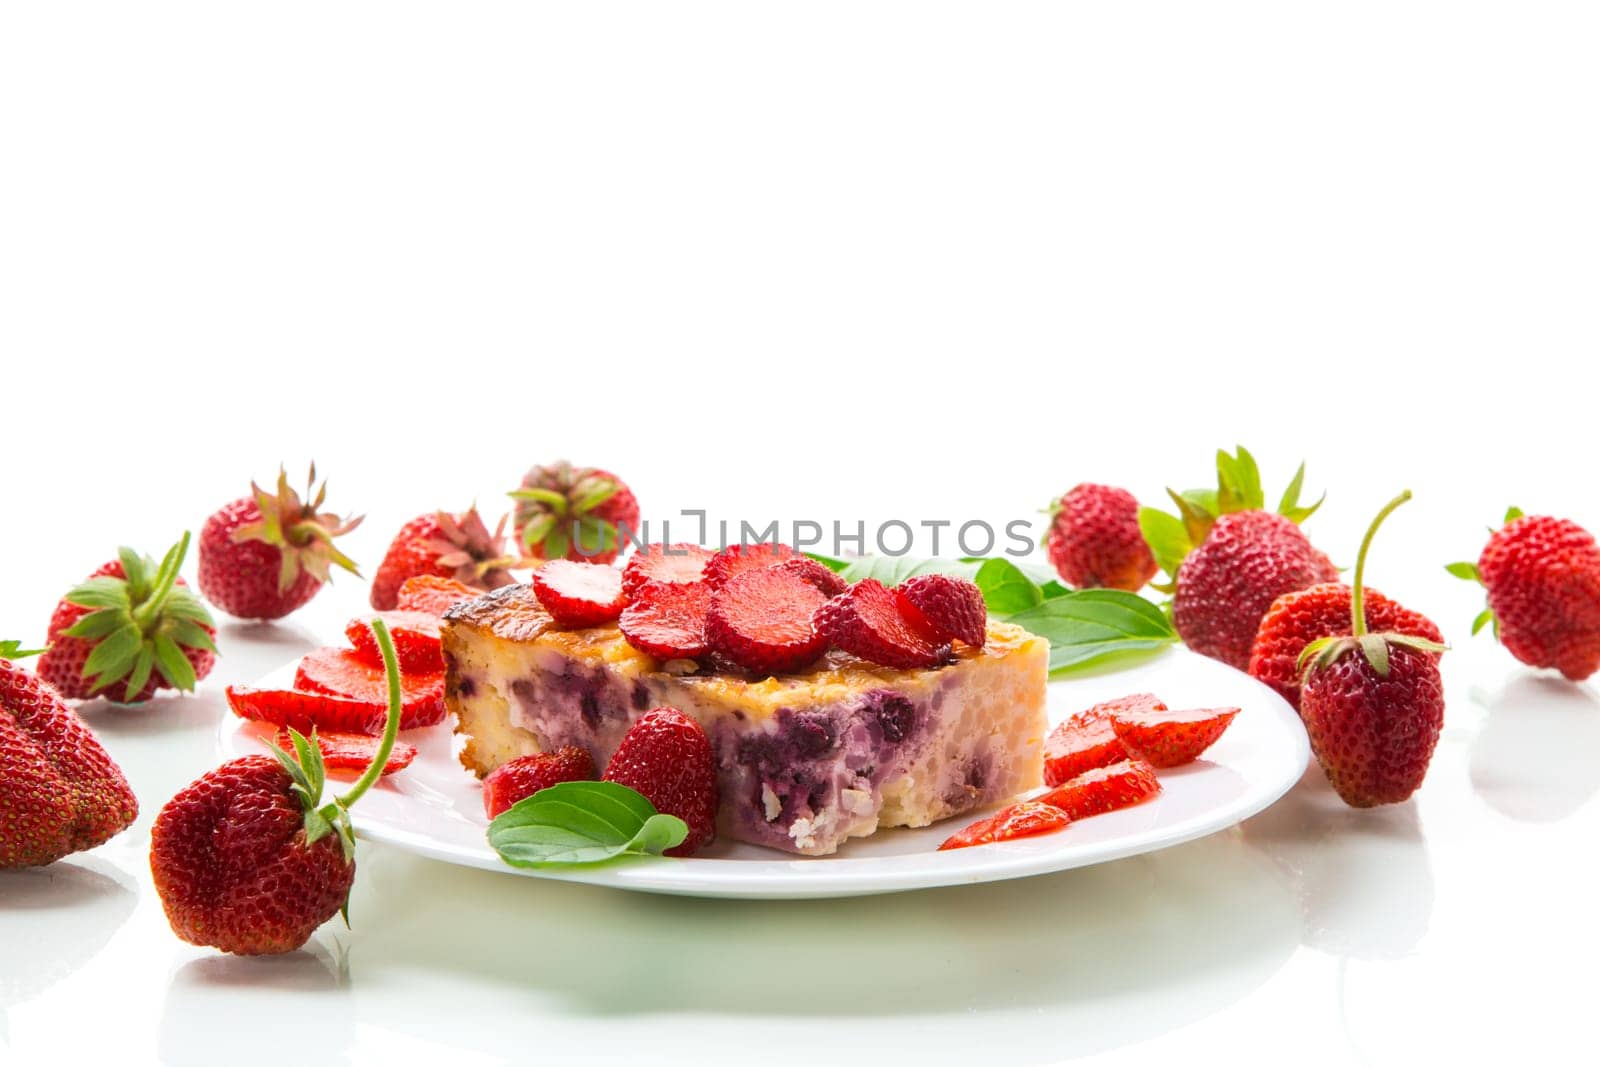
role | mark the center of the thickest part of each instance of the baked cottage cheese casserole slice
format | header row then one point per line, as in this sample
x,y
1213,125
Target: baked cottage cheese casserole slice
x,y
805,760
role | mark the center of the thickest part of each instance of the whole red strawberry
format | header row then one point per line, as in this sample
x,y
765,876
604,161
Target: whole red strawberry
x,y
1543,578
444,546
524,776
578,513
265,555
1095,541
59,791
1372,703
131,629
248,859
1225,586
1297,619
667,757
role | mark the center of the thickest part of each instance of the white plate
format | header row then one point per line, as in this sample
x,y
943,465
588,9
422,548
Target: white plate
x,y
435,807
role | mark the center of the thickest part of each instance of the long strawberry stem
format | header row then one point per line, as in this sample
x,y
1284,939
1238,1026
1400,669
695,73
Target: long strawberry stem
x,y
166,578
1358,611
391,725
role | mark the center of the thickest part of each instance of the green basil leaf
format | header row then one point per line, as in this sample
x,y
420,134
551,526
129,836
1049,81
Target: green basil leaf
x,y
1089,625
1006,589
582,823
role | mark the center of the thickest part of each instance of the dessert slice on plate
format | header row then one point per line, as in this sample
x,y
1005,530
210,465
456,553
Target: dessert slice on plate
x,y
805,760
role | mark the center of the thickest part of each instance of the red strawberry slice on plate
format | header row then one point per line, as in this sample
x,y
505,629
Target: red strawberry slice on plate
x,y
343,672
1087,740
1104,789
353,752
1024,819
307,711
416,640
1170,738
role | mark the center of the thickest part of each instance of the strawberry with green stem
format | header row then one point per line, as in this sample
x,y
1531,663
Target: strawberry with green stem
x,y
131,629
248,858
1372,703
577,513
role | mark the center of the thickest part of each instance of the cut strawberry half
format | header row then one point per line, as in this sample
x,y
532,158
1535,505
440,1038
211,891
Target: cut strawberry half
x,y
738,559
432,594
1086,740
342,672
678,564
668,620
307,711
524,776
951,607
1027,818
353,752
762,620
1170,738
825,580
868,620
579,595
416,640
1103,789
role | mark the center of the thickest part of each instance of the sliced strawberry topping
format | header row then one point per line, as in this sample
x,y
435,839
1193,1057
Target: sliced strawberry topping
x,y
868,620
432,594
1086,740
524,776
953,607
762,620
1169,738
353,752
673,564
815,573
416,640
343,672
668,620
306,711
737,559
1103,789
579,595
1026,818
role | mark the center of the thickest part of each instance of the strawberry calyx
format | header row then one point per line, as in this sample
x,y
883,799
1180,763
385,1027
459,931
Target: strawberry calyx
x,y
1324,652
301,531
1171,536
478,556
13,650
307,772
141,623
1467,571
554,510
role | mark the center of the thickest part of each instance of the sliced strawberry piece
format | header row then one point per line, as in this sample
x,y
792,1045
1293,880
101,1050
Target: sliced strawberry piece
x,y
1103,789
524,776
342,672
668,620
1026,818
952,607
353,752
1087,740
677,564
867,620
305,711
433,594
737,559
416,640
1170,738
579,595
762,620
827,581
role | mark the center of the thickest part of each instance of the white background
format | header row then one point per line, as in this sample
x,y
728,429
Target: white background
x,y
840,261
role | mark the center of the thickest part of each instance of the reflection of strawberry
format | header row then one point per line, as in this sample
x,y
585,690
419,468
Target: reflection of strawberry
x,y
265,555
1543,578
763,621
131,629
667,757
577,513
1225,586
524,776
1027,818
444,546
1102,789
59,790
1372,703
1095,542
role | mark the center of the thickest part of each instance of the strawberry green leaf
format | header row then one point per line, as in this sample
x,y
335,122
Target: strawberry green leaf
x,y
140,674
582,823
551,499
590,493
1197,508
113,657
1485,617
1465,571
191,635
101,593
1167,537
14,650
1238,482
173,664
99,623
1513,513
